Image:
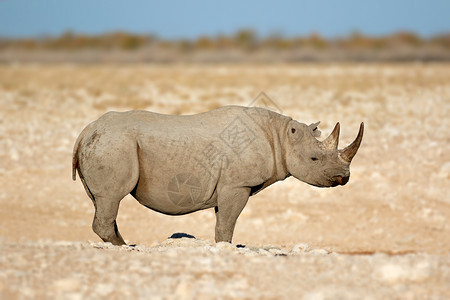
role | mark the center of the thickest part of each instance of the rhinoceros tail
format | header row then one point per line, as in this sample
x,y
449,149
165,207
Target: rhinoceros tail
x,y
75,164
76,148
75,158
74,168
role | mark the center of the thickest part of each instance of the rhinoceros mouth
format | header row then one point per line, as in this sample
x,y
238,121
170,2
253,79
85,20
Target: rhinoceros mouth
x,y
333,182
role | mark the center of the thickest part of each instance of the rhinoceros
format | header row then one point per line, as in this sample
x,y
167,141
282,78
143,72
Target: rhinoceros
x,y
217,159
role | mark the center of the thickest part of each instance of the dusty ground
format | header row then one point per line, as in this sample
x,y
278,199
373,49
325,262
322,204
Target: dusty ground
x,y
386,234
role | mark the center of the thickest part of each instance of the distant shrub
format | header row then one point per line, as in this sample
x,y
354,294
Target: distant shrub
x,y
356,44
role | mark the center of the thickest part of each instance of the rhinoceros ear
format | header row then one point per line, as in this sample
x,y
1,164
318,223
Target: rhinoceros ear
x,y
315,130
295,134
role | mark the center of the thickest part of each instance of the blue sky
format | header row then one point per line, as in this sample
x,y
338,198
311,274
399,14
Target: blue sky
x,y
189,19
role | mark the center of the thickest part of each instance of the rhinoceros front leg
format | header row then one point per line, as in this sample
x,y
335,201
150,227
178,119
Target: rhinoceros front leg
x,y
230,203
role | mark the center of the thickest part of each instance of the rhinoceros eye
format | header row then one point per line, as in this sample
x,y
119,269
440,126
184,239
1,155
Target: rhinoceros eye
x,y
314,158
293,130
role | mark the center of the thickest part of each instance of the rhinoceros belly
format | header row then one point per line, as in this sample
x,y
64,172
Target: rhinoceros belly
x,y
183,194
173,181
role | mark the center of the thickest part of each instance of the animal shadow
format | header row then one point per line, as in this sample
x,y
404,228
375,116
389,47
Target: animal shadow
x,y
179,235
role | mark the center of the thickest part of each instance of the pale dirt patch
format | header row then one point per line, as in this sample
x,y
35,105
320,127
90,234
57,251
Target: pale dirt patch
x,y
386,234
198,269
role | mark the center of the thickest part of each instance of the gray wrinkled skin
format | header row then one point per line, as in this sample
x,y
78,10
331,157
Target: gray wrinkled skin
x,y
180,164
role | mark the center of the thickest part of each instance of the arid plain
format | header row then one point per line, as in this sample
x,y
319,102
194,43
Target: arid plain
x,y
384,234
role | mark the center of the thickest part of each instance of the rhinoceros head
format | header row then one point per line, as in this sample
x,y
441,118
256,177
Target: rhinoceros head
x,y
315,162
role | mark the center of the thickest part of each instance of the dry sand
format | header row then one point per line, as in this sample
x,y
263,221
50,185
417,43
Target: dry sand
x,y
386,234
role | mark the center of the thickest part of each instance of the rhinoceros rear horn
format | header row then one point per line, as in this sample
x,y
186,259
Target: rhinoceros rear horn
x,y
349,152
332,141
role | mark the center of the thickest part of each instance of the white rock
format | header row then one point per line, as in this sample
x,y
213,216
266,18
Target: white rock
x,y
315,295
276,251
391,273
394,273
104,289
225,246
319,252
264,252
14,154
101,245
184,242
67,285
301,248
420,272
73,296
250,253
444,171
212,249
183,290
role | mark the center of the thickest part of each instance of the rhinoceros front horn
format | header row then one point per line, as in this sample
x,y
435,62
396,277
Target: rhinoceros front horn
x,y
349,152
332,141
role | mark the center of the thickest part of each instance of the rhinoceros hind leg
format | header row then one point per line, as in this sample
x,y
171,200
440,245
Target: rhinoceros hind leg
x,y
104,224
230,203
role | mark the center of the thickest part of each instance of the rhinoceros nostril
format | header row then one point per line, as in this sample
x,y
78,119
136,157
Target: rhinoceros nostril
x,y
339,180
